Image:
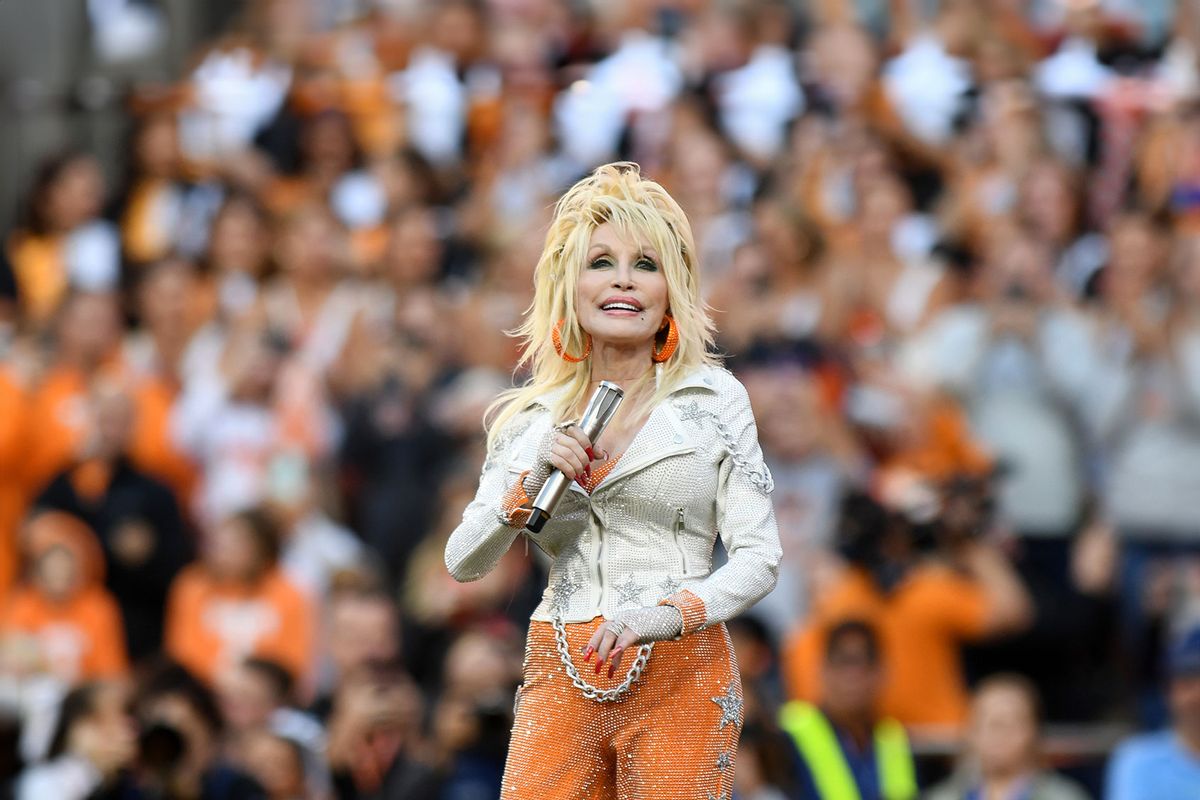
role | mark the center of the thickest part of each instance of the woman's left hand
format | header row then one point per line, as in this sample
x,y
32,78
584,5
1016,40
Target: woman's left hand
x,y
636,626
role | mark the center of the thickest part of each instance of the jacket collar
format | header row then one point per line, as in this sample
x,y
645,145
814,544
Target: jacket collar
x,y
664,424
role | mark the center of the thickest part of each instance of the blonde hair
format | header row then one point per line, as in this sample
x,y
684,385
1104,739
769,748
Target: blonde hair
x,y
637,206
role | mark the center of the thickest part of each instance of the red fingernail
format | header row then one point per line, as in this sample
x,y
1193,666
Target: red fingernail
x,y
589,453
610,670
588,470
587,656
599,664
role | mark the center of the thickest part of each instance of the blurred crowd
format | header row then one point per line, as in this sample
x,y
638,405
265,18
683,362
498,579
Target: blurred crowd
x,y
952,248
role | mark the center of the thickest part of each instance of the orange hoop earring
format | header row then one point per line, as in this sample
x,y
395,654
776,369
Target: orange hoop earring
x,y
672,342
556,339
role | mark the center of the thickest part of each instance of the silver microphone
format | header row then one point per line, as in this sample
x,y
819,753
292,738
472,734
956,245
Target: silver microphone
x,y
600,410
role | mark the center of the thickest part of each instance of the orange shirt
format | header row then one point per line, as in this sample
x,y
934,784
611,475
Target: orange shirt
x,y
152,449
61,420
212,627
81,638
921,625
14,488
40,272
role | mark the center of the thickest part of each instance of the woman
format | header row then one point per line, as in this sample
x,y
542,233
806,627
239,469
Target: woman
x,y
1002,743
617,299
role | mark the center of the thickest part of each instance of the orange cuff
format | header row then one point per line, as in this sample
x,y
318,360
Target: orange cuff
x,y
692,609
515,503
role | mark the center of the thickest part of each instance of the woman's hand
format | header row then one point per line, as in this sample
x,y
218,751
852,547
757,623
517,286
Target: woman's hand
x,y
571,452
636,626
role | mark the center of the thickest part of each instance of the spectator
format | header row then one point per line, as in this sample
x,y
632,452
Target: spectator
x,y
276,762
924,605
181,740
88,345
236,603
373,736
1166,763
363,628
134,516
258,697
94,745
1003,748
63,606
63,245
846,749
314,548
230,422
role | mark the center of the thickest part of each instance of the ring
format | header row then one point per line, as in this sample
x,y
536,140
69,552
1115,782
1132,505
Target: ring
x,y
562,426
615,627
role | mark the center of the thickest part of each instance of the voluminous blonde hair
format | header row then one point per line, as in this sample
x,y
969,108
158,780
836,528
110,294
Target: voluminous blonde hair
x,y
639,208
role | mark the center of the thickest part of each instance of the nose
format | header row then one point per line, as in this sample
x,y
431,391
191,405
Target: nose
x,y
623,277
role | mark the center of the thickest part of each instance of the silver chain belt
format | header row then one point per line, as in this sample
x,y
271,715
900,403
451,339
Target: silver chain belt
x,y
594,692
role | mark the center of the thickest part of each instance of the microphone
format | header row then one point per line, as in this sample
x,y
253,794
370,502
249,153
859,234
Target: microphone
x,y
600,410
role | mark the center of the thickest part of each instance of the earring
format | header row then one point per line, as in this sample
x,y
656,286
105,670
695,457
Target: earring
x,y
556,339
671,343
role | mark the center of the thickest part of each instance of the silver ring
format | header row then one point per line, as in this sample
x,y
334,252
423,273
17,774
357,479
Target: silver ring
x,y
615,627
562,426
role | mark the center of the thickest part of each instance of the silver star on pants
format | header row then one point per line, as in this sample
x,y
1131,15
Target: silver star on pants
x,y
731,707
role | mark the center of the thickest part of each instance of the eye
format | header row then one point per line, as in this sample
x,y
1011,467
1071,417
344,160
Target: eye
x,y
647,265
600,263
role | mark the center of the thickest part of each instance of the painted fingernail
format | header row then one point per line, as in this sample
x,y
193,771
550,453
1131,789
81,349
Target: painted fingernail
x,y
589,453
587,656
588,470
610,670
599,664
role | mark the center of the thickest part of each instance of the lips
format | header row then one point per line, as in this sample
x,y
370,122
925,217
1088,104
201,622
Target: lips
x,y
627,304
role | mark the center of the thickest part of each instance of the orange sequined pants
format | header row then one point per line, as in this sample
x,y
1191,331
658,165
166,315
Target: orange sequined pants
x,y
673,736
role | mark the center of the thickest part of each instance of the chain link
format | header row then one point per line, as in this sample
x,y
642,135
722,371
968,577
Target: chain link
x,y
761,478
594,692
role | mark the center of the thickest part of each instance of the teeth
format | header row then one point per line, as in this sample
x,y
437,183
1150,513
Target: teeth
x,y
621,306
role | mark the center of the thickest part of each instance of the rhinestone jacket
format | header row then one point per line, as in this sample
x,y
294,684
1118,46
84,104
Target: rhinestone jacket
x,y
693,472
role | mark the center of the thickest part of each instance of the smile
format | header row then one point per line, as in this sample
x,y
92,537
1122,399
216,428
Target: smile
x,y
621,305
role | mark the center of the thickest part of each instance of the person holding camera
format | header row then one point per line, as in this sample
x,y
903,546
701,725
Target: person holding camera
x,y
927,585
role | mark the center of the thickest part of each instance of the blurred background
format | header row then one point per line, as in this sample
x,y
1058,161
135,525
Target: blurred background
x,y
256,260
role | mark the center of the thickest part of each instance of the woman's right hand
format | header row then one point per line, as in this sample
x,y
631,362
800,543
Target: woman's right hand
x,y
571,452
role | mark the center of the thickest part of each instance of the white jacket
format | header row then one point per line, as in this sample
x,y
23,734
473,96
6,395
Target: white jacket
x,y
694,471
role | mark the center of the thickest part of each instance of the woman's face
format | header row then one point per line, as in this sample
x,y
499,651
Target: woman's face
x,y
232,554
75,196
308,247
1003,730
238,240
621,294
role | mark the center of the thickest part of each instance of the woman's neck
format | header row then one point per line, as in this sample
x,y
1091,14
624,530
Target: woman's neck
x,y
619,364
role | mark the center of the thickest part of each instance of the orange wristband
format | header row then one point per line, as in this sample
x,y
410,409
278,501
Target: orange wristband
x,y
692,609
515,503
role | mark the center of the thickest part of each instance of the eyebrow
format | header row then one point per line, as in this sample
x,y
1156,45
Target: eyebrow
x,y
603,249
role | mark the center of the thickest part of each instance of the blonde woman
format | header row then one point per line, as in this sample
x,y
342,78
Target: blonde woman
x,y
616,299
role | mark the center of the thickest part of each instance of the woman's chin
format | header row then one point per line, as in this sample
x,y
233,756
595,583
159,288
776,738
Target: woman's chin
x,y
621,340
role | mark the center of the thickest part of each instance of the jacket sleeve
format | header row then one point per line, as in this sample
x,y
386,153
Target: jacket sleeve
x,y
486,531
745,516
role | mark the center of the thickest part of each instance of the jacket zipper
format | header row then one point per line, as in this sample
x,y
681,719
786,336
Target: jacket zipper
x,y
596,561
679,539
